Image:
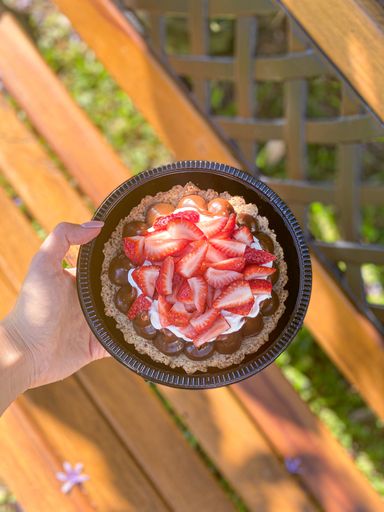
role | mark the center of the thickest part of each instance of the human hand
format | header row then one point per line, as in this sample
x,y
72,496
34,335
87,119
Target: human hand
x,y
46,328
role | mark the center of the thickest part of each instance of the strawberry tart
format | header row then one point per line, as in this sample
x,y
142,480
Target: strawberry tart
x,y
194,279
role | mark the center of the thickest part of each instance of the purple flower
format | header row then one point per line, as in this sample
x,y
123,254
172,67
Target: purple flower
x,y
293,465
71,476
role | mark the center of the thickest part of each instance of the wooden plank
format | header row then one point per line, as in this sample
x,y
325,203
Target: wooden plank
x,y
348,338
351,34
325,469
238,449
29,466
116,43
158,446
30,170
113,39
77,142
153,438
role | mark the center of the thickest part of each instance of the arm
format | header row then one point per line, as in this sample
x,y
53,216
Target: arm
x,y
45,337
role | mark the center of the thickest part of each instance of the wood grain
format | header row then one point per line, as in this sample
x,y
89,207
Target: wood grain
x,y
30,465
67,129
155,93
351,34
238,449
326,469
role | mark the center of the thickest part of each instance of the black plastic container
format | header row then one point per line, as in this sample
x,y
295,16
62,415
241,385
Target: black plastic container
x,y
221,178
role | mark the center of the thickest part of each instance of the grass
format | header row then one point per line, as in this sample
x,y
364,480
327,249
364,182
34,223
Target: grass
x,y
310,371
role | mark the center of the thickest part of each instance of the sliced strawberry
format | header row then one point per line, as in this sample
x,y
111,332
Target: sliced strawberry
x,y
156,250
191,262
134,249
188,331
214,255
163,308
178,315
211,227
258,257
190,215
256,271
230,225
220,278
141,303
210,294
202,322
244,235
199,292
235,294
230,264
181,228
190,307
176,283
231,248
241,310
164,281
146,277
158,235
218,327
185,294
260,286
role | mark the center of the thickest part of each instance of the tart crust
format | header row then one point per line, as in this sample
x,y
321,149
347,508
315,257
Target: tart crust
x,y
248,345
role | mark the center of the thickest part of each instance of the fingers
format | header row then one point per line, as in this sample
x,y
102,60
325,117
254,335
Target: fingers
x,y
65,234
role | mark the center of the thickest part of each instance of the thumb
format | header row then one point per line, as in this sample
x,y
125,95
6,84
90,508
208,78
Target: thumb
x,y
56,245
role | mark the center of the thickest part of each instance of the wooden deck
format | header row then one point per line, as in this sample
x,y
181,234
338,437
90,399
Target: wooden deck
x,y
120,427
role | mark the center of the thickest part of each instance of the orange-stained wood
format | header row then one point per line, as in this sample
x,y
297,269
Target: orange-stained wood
x,y
30,466
77,142
351,34
238,448
348,337
117,44
295,432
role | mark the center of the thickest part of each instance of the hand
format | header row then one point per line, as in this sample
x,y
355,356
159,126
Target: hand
x,y
46,328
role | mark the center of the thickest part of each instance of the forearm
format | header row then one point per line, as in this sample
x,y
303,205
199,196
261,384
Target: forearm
x,y
15,368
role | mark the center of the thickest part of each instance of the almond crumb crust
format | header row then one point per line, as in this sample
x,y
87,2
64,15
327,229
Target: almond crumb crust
x,y
248,345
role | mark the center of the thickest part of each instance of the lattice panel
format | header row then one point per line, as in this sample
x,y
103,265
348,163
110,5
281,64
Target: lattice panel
x,y
254,57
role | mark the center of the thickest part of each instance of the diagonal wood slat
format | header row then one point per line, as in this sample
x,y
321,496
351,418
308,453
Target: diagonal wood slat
x,y
96,22
77,142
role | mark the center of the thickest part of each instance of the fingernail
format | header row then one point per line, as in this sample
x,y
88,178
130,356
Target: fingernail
x,y
93,224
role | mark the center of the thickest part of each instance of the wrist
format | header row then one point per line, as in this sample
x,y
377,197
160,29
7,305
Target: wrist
x,y
16,362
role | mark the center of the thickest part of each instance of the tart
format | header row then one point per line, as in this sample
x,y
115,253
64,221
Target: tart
x,y
194,279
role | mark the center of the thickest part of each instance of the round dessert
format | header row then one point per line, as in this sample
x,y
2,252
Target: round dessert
x,y
194,279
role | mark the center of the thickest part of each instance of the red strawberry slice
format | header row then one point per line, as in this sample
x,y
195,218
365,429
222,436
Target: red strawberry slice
x,y
220,278
146,277
190,215
256,271
260,286
258,257
141,303
229,227
199,290
190,264
158,235
178,315
181,228
134,249
185,294
235,294
215,255
190,307
202,322
163,308
176,283
188,331
231,248
241,310
156,250
210,293
211,227
164,281
230,264
218,327
244,235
